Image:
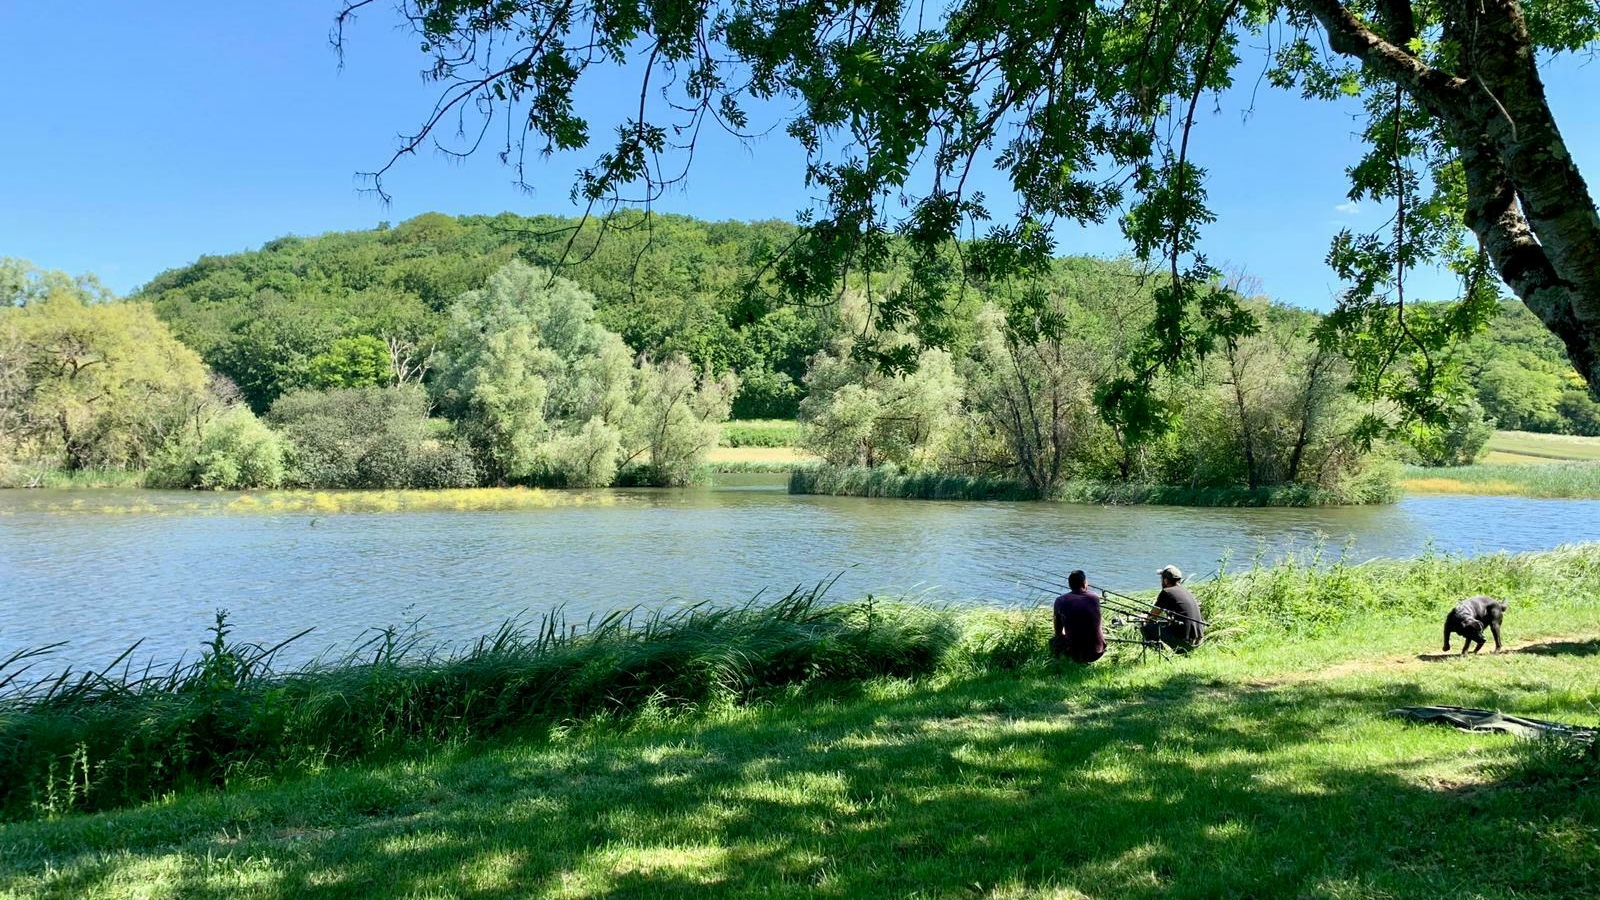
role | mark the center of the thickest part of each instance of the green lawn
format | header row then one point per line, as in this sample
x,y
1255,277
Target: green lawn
x,y
1528,447
1270,771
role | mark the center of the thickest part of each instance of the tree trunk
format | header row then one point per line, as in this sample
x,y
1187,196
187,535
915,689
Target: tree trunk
x,y
1526,200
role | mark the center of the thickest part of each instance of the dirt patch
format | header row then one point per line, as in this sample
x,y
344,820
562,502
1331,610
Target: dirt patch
x,y
1537,644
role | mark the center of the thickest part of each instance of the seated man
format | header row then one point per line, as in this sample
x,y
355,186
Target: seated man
x,y
1078,633
1175,620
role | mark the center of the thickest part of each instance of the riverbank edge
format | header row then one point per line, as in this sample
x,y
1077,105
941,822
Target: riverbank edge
x,y
1565,480
888,482
100,740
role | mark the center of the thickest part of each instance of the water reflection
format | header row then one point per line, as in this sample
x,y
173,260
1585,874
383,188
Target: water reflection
x,y
102,581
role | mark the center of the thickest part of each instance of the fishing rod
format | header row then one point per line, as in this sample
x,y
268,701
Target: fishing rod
x,y
1177,616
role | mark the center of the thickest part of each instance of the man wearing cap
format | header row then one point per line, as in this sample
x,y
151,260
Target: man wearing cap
x,y
1078,631
1175,620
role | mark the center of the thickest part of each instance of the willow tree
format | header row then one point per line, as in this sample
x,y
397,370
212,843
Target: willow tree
x,y
1087,106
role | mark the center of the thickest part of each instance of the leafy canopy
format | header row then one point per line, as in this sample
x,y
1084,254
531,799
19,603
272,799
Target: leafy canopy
x,y
1086,106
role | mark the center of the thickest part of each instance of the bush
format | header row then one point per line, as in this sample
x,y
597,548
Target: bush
x,y
1459,442
368,438
235,451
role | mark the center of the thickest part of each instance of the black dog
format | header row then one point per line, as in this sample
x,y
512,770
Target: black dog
x,y
1470,617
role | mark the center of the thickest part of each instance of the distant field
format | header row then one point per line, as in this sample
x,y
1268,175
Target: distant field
x,y
774,455
1527,447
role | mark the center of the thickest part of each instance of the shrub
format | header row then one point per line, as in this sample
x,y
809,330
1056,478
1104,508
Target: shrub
x,y
368,438
235,451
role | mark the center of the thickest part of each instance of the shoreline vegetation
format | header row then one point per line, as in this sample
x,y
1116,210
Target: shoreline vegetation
x,y
95,740
1518,464
888,481
749,752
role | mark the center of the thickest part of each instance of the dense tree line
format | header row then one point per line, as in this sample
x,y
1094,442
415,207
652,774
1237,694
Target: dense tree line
x,y
370,308
435,353
1271,407
526,387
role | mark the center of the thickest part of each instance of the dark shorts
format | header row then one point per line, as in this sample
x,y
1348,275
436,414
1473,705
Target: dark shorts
x,y
1060,646
1173,634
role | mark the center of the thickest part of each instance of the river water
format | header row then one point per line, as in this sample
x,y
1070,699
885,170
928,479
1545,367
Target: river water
x,y
100,581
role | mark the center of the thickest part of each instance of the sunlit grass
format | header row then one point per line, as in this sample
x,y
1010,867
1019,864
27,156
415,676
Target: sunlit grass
x,y
772,456
760,433
1569,480
456,499
1245,770
1529,447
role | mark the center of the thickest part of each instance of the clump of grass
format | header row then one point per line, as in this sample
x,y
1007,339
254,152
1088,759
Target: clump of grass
x,y
93,740
1569,761
1567,480
454,499
761,433
756,466
1115,493
1307,595
889,481
24,475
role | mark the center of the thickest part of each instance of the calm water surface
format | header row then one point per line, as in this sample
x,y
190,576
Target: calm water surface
x,y
101,581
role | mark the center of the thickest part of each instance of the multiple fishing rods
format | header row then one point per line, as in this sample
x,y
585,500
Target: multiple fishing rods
x,y
1114,601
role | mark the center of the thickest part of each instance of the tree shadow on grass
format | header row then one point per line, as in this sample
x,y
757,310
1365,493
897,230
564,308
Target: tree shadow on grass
x,y
1590,647
1176,787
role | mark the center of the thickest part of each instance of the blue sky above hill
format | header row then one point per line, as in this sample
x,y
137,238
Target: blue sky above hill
x,y
143,136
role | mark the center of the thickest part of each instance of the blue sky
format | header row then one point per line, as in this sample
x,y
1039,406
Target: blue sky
x,y
142,136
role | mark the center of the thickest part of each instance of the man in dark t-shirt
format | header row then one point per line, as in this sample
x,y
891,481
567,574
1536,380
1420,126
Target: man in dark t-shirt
x,y
1175,620
1077,622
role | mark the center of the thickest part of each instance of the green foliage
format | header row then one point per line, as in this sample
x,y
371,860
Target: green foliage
x,y
539,386
890,481
361,361
229,713
1461,441
1087,109
855,413
233,451
368,438
91,384
760,433
677,417
1523,378
668,284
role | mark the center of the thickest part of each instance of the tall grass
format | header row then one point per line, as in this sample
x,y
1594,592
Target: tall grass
x,y
93,740
24,475
761,433
1556,480
887,481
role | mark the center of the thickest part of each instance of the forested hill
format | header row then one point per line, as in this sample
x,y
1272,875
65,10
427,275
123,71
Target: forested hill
x,y
269,319
322,311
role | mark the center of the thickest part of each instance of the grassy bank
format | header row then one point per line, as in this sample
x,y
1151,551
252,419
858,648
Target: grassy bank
x,y
1570,480
16,475
1263,766
886,481
98,740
